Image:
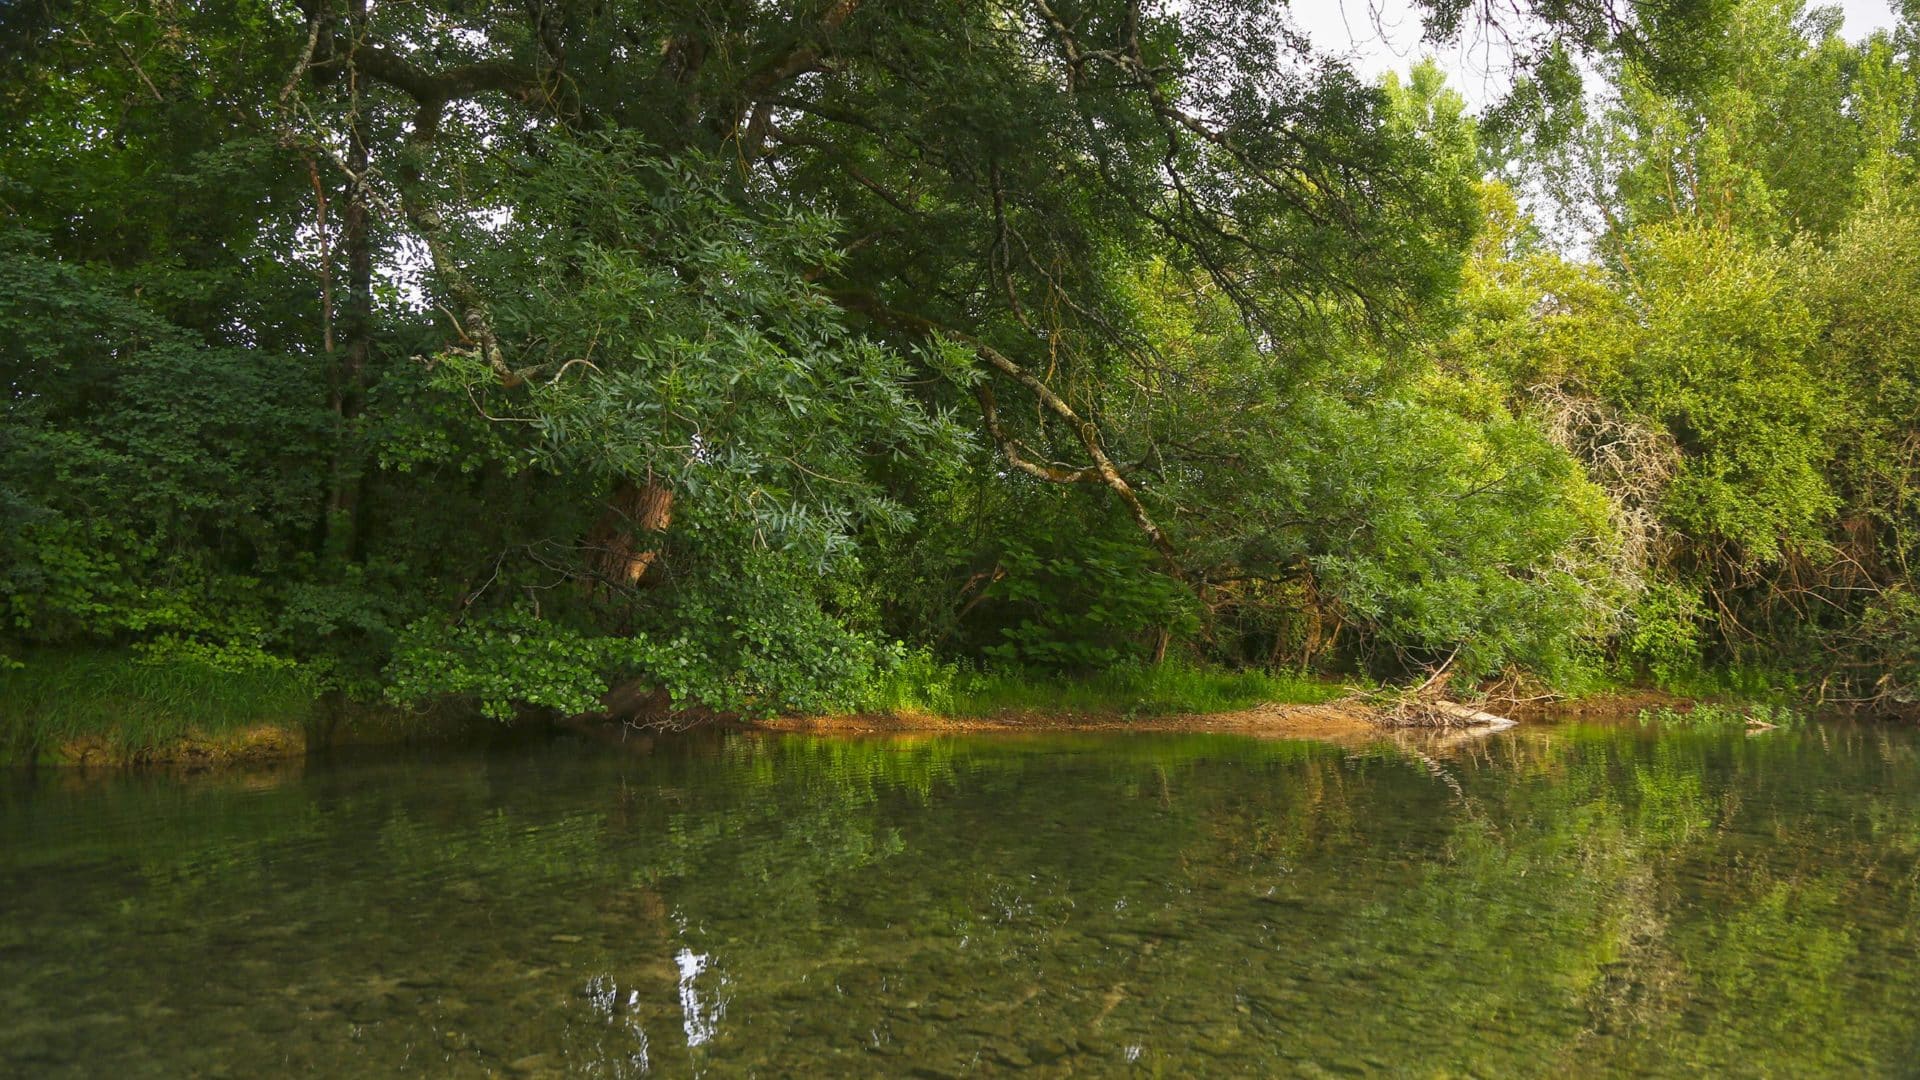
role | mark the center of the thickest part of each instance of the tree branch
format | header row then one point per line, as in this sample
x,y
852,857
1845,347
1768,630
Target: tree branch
x,y
1102,470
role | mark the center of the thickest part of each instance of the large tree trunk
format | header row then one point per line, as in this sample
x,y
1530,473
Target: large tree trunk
x,y
624,544
347,379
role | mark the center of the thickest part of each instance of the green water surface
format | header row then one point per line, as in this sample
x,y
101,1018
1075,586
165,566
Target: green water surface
x,y
1568,901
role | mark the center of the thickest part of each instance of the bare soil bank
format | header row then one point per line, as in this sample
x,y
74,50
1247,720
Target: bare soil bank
x,y
1338,722
1348,721
197,750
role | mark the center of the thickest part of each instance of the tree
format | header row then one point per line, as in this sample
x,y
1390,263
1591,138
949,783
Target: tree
x,y
605,306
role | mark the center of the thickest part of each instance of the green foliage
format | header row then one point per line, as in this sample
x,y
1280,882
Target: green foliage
x,y
690,344
1401,500
1711,717
511,659
740,630
915,681
139,494
1470,534
1784,128
755,630
1722,360
1749,683
1074,602
1740,402
1663,637
919,682
1887,643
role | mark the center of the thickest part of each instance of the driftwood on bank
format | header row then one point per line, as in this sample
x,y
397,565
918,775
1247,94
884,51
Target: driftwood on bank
x,y
1425,706
1469,715
1426,711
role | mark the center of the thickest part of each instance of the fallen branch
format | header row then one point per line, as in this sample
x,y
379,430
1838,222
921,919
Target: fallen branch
x,y
1424,707
1468,715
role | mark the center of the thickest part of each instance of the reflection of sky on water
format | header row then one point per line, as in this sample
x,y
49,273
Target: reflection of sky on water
x,y
621,1008
701,1022
700,1010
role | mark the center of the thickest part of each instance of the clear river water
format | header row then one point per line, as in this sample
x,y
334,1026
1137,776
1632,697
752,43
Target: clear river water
x,y
1554,900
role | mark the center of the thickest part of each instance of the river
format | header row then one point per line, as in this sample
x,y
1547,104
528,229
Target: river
x,y
1553,900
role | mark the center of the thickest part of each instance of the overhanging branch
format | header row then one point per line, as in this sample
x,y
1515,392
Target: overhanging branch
x,y
1102,470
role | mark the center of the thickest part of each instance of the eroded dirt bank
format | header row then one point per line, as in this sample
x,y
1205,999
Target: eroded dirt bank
x,y
1338,722
1350,721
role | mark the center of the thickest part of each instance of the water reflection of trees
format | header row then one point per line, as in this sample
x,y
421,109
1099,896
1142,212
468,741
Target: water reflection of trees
x,y
1586,900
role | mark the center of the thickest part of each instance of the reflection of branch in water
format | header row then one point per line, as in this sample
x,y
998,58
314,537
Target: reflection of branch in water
x,y
1440,771
1109,1002
1445,775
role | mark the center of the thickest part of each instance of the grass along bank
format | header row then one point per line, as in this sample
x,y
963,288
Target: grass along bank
x,y
1147,690
118,708
121,708
101,707
1141,692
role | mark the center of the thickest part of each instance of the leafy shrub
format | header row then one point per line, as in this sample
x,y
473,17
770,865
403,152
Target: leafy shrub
x,y
1083,603
1662,635
1709,716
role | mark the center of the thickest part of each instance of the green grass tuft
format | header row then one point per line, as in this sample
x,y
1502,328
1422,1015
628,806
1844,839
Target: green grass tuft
x,y
1716,717
923,685
136,704
1739,682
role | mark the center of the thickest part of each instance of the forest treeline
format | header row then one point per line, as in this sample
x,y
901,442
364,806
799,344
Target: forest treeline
x,y
760,357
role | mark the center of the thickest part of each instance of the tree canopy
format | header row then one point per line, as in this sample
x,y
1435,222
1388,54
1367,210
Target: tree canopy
x,y
553,353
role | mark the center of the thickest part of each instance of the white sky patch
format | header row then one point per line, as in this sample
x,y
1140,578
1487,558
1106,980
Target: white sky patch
x,y
473,39
1377,36
405,270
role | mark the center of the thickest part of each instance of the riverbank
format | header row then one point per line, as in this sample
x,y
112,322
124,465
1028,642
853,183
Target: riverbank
x,y
111,708
115,709
104,709
100,708
1344,721
1345,716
